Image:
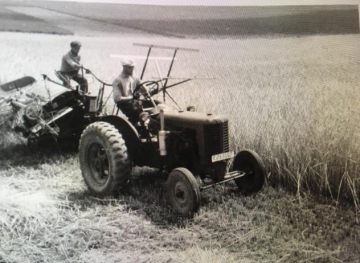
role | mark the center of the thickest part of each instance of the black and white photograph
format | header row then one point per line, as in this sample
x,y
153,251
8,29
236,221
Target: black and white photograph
x,y
158,131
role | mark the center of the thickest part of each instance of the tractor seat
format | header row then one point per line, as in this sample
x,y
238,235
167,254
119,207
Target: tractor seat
x,y
63,78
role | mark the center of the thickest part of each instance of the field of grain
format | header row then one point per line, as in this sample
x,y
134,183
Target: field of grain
x,y
292,99
295,101
284,100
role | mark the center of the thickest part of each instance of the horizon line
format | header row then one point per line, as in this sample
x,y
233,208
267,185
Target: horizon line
x,y
215,2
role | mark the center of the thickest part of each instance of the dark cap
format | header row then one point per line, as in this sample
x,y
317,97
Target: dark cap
x,y
75,44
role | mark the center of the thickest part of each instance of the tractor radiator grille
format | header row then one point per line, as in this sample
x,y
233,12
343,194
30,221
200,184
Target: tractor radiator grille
x,y
216,138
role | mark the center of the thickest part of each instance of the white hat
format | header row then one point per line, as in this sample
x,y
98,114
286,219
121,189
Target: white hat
x,y
128,63
75,44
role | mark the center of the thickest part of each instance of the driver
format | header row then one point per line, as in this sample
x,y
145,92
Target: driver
x,y
123,88
70,65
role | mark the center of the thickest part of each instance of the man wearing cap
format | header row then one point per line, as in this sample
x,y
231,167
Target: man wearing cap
x,y
123,88
70,65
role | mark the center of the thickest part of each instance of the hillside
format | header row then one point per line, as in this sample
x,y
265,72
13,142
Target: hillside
x,y
200,21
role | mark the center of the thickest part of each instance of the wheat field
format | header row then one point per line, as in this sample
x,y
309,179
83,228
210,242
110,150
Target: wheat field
x,y
294,100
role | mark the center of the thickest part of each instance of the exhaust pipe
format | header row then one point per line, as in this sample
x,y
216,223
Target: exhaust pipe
x,y
162,135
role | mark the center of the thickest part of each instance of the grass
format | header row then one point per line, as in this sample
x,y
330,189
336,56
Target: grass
x,y
47,215
293,100
300,112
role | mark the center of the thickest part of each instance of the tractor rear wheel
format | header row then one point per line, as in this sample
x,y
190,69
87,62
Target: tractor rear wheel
x,y
183,192
249,162
103,158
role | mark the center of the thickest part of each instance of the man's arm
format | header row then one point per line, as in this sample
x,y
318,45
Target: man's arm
x,y
74,64
138,83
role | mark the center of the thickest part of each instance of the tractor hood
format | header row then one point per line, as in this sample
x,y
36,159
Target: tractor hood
x,y
212,132
190,119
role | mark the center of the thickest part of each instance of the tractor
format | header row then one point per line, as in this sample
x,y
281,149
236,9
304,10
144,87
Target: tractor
x,y
191,148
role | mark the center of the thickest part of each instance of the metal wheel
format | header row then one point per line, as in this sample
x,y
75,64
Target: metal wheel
x,y
249,162
183,193
104,158
33,111
98,163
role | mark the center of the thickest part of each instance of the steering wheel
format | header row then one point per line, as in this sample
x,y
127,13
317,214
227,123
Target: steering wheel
x,y
140,90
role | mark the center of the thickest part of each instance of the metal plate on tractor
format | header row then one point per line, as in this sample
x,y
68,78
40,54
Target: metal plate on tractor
x,y
222,156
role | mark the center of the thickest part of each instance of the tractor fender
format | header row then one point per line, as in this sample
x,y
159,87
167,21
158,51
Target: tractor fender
x,y
128,132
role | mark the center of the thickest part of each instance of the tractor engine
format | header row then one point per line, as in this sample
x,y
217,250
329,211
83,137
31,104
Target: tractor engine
x,y
196,141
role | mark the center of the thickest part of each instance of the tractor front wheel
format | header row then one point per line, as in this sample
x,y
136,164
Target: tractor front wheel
x,y
103,158
183,192
249,162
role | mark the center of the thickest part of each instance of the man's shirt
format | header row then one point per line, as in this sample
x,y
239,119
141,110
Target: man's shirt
x,y
70,63
124,86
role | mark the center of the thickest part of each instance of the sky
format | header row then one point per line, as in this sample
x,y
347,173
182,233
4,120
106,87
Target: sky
x,y
224,2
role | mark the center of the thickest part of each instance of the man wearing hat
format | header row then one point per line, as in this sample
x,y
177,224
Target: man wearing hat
x,y
123,88
70,65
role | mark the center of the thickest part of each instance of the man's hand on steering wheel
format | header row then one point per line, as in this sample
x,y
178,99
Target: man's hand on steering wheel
x,y
140,90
